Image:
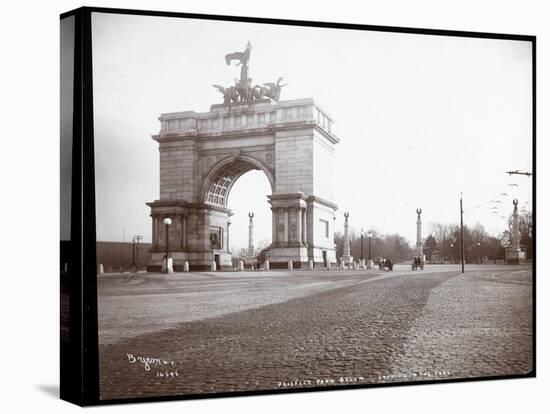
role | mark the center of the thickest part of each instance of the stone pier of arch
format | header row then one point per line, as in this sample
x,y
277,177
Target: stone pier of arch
x,y
203,154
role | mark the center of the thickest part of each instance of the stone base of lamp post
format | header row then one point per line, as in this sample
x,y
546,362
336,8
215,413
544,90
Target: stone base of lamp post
x,y
348,260
514,256
167,267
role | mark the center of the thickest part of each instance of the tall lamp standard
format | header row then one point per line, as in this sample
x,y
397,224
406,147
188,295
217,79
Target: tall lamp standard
x,y
228,224
461,234
362,244
167,221
369,235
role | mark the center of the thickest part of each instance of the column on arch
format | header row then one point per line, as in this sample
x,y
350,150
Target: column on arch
x,y
298,211
286,226
274,227
154,232
183,219
304,226
185,231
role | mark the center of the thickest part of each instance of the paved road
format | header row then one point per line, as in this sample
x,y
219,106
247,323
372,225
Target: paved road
x,y
219,332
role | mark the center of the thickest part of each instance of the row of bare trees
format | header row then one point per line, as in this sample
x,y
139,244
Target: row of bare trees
x,y
390,246
442,244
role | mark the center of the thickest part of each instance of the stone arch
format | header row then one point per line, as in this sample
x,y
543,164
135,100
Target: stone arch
x,y
202,155
224,174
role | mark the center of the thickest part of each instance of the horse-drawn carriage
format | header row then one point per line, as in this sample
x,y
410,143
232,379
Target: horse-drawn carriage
x,y
384,264
417,263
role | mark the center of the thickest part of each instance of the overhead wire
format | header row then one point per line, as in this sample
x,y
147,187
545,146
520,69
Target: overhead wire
x,y
510,190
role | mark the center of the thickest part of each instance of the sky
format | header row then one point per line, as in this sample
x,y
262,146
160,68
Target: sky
x,y
421,118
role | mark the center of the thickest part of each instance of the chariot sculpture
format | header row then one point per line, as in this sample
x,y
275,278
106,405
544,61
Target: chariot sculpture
x,y
243,91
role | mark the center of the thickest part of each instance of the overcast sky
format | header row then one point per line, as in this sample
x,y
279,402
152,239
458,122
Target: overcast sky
x,y
426,117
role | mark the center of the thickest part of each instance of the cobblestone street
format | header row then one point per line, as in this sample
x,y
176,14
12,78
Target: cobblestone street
x,y
218,332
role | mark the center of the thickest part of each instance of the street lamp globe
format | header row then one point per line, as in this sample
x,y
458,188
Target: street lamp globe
x,y
167,221
369,235
362,232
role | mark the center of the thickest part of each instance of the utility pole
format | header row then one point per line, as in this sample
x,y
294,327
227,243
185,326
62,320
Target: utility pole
x,y
133,252
135,249
528,174
461,234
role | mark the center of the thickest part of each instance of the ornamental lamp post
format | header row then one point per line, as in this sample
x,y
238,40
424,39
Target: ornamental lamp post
x,y
362,234
228,224
167,221
370,235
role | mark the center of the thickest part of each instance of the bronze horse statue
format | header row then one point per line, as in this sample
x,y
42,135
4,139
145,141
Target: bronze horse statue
x,y
268,90
230,94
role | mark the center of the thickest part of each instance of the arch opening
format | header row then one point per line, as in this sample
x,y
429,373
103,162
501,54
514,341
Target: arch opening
x,y
249,195
222,177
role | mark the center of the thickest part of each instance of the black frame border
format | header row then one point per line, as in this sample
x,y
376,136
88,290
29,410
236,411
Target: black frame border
x,y
84,352
79,359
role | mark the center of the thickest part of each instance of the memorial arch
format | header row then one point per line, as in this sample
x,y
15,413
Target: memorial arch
x,y
203,154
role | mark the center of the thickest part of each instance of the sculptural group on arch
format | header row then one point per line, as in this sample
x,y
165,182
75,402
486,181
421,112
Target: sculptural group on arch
x,y
246,93
243,91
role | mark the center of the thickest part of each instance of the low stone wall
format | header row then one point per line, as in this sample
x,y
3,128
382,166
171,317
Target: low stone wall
x,y
117,256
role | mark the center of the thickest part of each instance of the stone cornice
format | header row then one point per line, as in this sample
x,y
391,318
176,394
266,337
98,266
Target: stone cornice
x,y
290,114
302,196
322,201
186,205
243,109
288,196
238,133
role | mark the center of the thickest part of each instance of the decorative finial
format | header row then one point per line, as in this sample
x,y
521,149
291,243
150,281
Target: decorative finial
x,y
419,211
346,215
251,215
515,202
